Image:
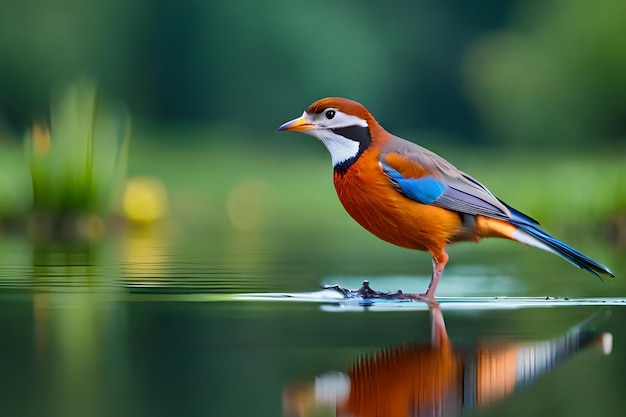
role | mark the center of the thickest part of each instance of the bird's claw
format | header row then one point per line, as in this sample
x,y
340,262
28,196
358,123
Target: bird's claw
x,y
365,292
343,291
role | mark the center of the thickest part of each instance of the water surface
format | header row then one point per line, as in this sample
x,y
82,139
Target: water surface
x,y
147,326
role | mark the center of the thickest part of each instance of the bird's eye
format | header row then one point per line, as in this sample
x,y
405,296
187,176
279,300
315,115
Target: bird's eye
x,y
330,114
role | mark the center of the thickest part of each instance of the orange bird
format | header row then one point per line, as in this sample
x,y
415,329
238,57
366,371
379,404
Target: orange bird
x,y
411,197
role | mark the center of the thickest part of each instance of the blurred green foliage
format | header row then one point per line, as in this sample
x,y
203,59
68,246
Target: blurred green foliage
x,y
80,161
209,82
555,76
65,177
517,71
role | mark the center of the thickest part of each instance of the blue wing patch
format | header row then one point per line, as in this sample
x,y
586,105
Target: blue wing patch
x,y
424,190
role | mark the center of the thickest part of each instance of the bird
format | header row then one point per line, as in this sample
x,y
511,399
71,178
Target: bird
x,y
411,197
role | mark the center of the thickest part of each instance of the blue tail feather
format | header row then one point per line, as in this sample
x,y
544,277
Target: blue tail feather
x,y
565,251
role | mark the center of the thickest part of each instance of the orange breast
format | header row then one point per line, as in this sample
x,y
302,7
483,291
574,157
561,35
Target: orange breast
x,y
369,197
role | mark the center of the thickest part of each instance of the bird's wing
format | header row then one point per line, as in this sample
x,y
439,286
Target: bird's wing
x,y
427,178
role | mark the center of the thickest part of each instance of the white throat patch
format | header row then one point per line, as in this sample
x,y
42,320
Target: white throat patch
x,y
341,149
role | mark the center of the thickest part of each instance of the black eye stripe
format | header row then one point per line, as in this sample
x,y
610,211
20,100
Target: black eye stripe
x,y
356,133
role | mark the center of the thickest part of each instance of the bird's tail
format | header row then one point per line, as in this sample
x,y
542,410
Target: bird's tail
x,y
532,235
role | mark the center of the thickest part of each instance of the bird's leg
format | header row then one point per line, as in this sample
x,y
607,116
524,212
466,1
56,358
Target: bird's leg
x,y
440,259
439,335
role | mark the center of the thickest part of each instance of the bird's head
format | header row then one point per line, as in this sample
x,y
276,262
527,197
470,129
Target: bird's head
x,y
343,125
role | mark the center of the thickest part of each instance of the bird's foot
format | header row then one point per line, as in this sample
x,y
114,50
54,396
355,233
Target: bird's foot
x,y
343,291
427,298
367,293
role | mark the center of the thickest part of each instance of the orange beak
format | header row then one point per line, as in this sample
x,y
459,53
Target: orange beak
x,y
297,125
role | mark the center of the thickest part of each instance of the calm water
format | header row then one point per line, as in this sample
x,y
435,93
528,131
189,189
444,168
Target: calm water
x,y
147,326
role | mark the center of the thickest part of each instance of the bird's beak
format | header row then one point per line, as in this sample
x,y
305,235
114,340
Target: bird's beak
x,y
300,124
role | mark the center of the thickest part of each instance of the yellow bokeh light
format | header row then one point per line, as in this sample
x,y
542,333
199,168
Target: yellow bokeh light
x,y
145,200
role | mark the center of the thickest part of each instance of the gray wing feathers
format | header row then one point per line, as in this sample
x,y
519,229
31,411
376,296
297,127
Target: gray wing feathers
x,y
463,193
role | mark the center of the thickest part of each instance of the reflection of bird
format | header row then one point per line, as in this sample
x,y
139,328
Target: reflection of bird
x,y
436,379
411,197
